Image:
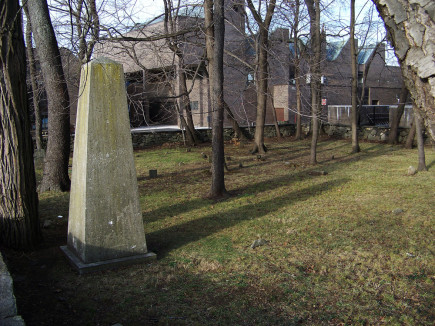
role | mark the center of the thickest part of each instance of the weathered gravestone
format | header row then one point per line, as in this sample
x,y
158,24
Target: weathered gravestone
x,y
105,227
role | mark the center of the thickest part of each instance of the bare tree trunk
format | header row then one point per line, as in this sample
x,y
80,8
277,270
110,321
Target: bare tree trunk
x,y
354,65
314,13
397,115
19,224
169,25
238,133
297,73
185,106
298,101
32,72
55,176
189,135
420,143
88,27
261,96
411,135
411,24
216,12
262,75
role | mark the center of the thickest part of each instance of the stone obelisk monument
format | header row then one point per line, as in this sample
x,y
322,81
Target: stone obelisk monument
x,y
105,226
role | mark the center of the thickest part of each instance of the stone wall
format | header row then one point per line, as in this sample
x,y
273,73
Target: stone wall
x,y
149,139
143,140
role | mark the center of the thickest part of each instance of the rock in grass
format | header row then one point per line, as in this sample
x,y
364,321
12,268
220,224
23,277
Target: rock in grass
x,y
397,211
318,173
412,170
258,243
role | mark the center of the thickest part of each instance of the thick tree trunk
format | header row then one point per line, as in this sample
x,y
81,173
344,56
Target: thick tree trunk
x,y
316,48
354,65
397,115
35,90
420,143
19,224
55,176
218,157
411,26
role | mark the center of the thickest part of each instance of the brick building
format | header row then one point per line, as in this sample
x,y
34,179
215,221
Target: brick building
x,y
153,79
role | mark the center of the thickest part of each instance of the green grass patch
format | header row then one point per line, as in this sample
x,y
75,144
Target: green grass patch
x,y
336,253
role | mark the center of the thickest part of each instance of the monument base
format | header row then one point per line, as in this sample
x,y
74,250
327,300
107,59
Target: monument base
x,y
83,268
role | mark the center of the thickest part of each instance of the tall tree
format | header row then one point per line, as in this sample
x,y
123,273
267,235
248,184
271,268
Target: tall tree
x,y
78,24
214,31
411,26
297,62
173,43
19,225
33,82
354,67
313,7
262,71
55,175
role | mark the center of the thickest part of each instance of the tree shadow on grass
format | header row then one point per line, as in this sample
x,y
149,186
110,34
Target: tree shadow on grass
x,y
167,239
269,184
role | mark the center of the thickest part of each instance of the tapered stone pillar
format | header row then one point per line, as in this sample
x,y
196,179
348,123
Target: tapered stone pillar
x,y
105,226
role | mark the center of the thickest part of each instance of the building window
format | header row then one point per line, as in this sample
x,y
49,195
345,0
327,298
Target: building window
x,y
360,77
250,79
375,102
194,105
308,78
324,80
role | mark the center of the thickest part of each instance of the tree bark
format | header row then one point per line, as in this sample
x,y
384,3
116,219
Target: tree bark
x,y
411,135
55,177
185,105
411,27
262,75
397,115
297,61
238,133
354,65
172,42
19,224
218,156
35,90
420,143
316,48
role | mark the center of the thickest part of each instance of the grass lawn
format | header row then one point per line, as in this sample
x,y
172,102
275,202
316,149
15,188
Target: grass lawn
x,y
352,247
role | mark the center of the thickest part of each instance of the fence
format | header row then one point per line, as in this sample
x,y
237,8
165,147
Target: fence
x,y
369,115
